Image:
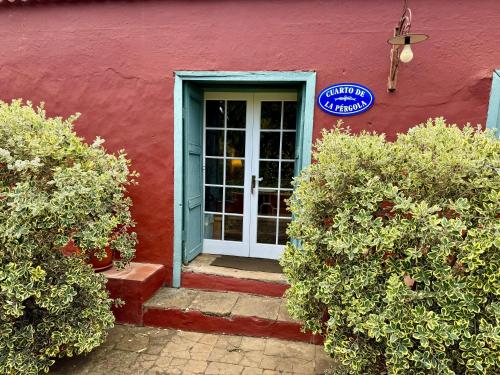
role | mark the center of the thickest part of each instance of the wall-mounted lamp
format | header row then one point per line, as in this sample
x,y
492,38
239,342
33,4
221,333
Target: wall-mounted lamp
x,y
402,41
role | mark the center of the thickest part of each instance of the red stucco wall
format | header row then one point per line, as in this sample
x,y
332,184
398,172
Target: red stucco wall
x,y
114,61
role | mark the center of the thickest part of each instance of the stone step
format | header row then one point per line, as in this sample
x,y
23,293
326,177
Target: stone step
x,y
233,313
200,274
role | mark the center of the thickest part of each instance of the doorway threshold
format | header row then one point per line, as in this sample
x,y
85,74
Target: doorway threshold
x,y
203,264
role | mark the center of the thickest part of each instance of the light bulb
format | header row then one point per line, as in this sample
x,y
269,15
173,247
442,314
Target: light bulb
x,y
407,54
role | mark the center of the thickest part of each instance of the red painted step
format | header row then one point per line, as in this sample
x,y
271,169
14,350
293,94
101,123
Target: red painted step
x,y
135,284
224,313
249,277
196,280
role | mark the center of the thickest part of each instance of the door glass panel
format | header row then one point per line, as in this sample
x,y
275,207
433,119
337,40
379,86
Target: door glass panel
x,y
268,171
235,172
290,115
284,195
268,202
270,115
266,230
213,199
277,142
213,227
287,174
269,145
215,114
234,200
214,171
214,143
233,228
235,146
288,148
282,237
236,113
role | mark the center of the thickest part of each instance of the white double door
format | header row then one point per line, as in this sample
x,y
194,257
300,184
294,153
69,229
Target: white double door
x,y
249,163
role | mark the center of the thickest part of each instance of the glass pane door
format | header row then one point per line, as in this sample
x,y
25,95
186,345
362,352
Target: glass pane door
x,y
227,154
273,165
249,163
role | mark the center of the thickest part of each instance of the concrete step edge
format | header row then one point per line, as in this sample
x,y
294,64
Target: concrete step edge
x,y
219,303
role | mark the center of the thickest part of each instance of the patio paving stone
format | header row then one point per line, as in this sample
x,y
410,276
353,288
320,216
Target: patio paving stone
x,y
155,351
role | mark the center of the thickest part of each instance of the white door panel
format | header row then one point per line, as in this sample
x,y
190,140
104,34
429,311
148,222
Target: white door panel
x,y
273,161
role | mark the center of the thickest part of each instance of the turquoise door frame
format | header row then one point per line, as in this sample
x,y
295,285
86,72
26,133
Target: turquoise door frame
x,y
493,119
307,83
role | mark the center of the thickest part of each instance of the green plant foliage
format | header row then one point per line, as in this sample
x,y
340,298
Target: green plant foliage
x,y
398,265
55,189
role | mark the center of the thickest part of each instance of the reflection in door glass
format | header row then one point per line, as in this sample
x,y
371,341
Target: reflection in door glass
x,y
266,230
290,115
270,145
282,237
233,228
236,114
268,171
287,174
235,172
234,201
214,143
213,199
288,148
284,195
215,113
270,115
213,227
268,202
235,143
214,171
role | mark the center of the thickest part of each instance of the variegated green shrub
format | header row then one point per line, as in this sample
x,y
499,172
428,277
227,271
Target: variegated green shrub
x,y
398,265
54,188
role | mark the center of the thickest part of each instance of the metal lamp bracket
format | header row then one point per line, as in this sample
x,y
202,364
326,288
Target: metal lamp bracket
x,y
400,38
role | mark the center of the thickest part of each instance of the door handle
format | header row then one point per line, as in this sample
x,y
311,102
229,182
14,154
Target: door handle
x,y
254,181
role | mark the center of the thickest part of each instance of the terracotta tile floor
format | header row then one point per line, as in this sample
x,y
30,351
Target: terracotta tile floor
x,y
144,350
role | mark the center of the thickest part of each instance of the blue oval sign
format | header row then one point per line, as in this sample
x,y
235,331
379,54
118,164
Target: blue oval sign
x,y
345,99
